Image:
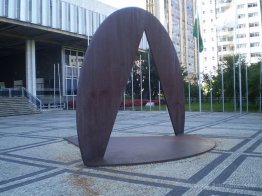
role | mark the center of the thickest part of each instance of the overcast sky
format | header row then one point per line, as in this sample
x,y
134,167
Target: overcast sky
x,y
125,3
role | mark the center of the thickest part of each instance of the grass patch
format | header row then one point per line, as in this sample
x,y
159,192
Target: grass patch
x,y
206,107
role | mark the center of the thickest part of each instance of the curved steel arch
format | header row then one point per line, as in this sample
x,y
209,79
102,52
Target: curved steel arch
x,y
106,70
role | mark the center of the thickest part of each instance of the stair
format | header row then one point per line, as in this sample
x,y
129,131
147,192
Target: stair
x,y
12,106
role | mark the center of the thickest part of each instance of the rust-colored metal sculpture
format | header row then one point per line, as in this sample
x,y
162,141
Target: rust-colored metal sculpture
x,y
106,69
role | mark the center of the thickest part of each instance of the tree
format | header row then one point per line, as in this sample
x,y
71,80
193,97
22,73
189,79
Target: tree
x,y
254,81
154,79
228,77
207,80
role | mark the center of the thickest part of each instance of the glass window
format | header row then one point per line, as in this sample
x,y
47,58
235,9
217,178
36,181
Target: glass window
x,y
254,44
71,86
256,54
241,16
67,54
255,34
241,35
241,6
254,24
230,38
240,26
252,5
254,14
73,60
241,45
243,55
80,58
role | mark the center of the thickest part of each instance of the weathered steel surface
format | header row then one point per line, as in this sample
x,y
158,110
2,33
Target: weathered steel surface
x,y
150,149
106,69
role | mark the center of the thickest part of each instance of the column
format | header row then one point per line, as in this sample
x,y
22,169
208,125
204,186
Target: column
x,y
30,67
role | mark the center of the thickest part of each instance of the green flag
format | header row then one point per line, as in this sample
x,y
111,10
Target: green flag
x,y
197,34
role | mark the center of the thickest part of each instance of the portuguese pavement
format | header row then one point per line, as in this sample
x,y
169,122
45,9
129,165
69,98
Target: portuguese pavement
x,y
36,160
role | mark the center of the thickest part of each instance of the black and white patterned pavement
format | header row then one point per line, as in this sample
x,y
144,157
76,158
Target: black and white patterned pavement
x,y
36,160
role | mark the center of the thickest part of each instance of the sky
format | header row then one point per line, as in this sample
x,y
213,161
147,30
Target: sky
x,y
125,3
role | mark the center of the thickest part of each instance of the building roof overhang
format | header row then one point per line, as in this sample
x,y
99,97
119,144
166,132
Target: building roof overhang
x,y
13,34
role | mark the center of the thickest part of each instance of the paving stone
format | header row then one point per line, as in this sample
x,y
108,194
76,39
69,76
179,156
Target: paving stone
x,y
249,171
35,160
11,170
59,152
12,142
259,149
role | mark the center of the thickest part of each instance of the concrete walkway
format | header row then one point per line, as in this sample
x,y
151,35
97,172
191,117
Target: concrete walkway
x,y
36,160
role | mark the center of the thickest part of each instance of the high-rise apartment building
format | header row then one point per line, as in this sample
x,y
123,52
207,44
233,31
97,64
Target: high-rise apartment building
x,y
230,27
156,7
179,19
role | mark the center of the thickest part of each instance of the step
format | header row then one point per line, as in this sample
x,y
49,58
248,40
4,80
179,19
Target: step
x,y
16,106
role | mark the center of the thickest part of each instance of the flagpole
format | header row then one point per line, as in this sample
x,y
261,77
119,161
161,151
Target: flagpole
x,y
124,100
240,86
189,98
66,91
229,19
199,86
234,65
196,33
54,85
159,100
234,80
59,85
223,101
149,80
211,96
260,88
132,80
246,89
141,89
72,86
239,65
198,61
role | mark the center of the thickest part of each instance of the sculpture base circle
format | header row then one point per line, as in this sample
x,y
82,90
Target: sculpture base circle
x,y
150,149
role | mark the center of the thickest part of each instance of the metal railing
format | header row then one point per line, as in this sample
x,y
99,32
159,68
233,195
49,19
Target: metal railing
x,y
21,92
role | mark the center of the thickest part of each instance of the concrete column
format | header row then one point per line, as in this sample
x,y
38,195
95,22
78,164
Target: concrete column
x,y
30,67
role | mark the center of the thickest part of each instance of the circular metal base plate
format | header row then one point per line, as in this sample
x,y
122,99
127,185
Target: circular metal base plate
x,y
150,149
